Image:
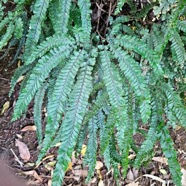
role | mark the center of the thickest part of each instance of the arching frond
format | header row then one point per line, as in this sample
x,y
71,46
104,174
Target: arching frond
x,y
39,10
72,122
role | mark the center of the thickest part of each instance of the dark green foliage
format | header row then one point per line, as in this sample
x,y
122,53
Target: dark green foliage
x,y
98,91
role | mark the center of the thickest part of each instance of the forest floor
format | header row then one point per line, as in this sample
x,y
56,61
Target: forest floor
x,y
19,149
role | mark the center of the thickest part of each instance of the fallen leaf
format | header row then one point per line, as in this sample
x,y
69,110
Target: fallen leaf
x,y
130,175
131,156
29,128
5,107
80,172
47,157
23,150
83,150
57,144
156,178
99,165
160,159
34,174
133,184
49,182
163,171
183,181
69,166
99,174
101,183
20,79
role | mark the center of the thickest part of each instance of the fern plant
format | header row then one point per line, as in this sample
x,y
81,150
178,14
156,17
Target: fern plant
x,y
100,90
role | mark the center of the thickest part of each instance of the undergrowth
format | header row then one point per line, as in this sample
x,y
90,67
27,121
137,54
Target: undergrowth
x,y
100,85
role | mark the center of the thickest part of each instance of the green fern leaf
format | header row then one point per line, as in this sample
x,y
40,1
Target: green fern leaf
x,y
133,43
151,138
19,72
73,119
38,101
5,38
112,80
178,46
63,16
167,146
132,72
85,10
59,96
45,46
91,152
39,73
39,10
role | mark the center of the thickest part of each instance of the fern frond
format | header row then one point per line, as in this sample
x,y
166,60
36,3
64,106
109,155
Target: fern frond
x,y
132,72
39,10
38,101
167,146
178,46
45,46
181,25
151,138
175,106
5,38
91,152
112,80
39,73
85,10
73,119
63,16
59,96
19,72
135,44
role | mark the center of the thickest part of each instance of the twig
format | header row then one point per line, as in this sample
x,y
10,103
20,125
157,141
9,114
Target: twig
x,y
16,158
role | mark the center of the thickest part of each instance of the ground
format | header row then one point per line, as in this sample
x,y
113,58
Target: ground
x,y
19,149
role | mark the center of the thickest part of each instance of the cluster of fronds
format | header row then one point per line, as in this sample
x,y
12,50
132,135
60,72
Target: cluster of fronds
x,y
101,90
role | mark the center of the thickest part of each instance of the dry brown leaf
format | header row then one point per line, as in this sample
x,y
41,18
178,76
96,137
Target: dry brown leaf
x,y
5,107
23,150
47,157
83,150
156,178
133,184
130,175
99,165
183,181
160,159
69,166
49,182
20,79
101,183
80,172
99,174
34,174
29,128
